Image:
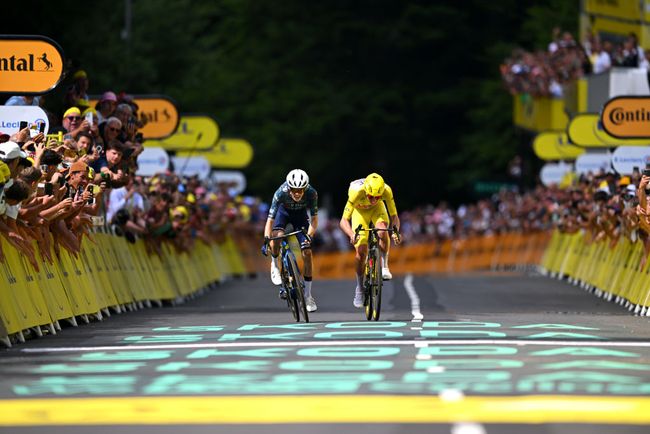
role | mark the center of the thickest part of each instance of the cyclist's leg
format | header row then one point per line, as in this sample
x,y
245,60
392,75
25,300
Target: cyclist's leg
x,y
361,250
301,220
279,225
381,219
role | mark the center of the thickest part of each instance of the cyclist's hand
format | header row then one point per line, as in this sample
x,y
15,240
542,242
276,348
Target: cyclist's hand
x,y
306,243
265,247
354,238
396,238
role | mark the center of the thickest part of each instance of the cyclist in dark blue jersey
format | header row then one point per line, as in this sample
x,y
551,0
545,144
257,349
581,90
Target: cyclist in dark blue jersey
x,y
293,203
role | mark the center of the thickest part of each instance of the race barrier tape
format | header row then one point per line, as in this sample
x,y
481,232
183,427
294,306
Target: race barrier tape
x,y
109,272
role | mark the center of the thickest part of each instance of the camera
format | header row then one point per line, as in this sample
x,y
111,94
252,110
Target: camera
x,y
48,189
22,125
646,172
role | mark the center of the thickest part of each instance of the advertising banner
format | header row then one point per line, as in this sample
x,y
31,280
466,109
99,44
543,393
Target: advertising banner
x,y
191,166
29,65
586,130
235,179
159,114
594,162
627,117
229,153
194,133
152,161
12,116
554,173
626,158
554,145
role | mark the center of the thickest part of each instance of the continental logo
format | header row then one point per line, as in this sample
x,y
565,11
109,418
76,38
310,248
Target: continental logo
x,y
29,64
627,117
158,113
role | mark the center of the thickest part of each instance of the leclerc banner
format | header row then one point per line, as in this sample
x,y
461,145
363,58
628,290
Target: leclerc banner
x,y
12,115
152,161
29,65
626,158
627,117
159,114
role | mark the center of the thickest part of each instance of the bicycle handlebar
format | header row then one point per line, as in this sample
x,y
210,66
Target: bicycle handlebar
x,y
392,230
280,237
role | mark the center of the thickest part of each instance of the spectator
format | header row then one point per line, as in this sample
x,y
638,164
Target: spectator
x,y
106,106
23,100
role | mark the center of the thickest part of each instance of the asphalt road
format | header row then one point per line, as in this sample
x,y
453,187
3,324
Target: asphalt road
x,y
509,353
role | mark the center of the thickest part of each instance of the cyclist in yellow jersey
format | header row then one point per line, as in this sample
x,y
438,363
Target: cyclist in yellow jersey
x,y
369,200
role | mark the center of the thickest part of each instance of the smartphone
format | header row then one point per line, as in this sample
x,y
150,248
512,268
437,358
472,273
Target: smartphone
x,y
646,172
22,125
89,118
91,190
41,128
48,189
43,168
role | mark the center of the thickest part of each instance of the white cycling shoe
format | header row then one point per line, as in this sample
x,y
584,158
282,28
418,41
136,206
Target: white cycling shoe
x,y
311,304
386,274
358,298
275,274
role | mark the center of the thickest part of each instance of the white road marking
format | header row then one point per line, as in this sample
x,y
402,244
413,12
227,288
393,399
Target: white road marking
x,y
467,428
451,395
415,300
409,342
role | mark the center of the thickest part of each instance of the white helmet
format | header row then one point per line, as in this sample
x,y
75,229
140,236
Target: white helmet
x,y
297,179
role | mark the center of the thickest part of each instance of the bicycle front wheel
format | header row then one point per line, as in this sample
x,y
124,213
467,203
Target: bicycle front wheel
x,y
375,289
298,286
291,298
367,286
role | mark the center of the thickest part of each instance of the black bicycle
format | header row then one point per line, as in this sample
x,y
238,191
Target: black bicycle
x,y
292,281
372,278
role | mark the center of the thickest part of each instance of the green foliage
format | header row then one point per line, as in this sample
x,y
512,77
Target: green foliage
x,y
409,89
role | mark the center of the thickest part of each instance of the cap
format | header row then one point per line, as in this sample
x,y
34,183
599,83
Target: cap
x,y
10,151
631,190
625,180
108,96
72,111
5,173
79,74
78,166
89,110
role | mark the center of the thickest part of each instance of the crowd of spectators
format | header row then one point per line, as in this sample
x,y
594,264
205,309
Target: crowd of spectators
x,y
543,73
54,188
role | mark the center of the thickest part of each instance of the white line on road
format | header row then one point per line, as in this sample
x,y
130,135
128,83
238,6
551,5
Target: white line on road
x,y
415,300
467,428
378,342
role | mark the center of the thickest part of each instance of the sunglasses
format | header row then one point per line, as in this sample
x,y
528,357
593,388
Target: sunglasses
x,y
74,118
113,129
297,190
374,197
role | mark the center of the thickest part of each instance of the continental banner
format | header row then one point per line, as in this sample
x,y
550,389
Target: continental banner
x,y
586,130
159,113
29,65
627,117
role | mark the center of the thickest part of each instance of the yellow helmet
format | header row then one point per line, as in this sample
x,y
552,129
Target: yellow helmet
x,y
374,185
5,173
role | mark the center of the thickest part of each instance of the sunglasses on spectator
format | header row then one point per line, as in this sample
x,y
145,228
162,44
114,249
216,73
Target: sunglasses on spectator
x,y
113,129
74,118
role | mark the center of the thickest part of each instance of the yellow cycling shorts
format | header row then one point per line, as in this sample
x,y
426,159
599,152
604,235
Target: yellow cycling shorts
x,y
363,217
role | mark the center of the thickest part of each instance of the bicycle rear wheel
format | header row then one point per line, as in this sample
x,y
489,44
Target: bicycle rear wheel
x,y
375,290
367,286
298,286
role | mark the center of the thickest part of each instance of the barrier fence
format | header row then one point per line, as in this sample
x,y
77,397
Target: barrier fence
x,y
109,273
495,252
113,274
615,272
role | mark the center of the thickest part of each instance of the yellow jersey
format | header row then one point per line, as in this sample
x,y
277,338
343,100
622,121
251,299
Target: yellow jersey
x,y
357,199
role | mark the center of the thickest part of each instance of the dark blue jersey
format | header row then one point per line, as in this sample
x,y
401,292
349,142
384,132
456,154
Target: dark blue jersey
x,y
282,197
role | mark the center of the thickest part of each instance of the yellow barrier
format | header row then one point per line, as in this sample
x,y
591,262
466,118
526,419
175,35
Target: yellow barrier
x,y
108,273
611,271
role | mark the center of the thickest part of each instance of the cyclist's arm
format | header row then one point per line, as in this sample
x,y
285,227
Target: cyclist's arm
x,y
345,223
313,225
268,227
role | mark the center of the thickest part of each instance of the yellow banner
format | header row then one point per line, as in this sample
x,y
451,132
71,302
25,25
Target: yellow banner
x,y
228,154
29,64
554,145
627,117
194,133
625,9
158,112
585,130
